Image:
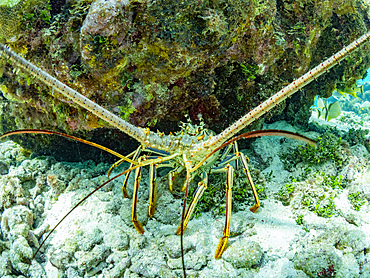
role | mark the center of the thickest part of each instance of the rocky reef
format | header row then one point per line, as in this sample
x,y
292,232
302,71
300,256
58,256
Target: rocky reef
x,y
318,211
152,63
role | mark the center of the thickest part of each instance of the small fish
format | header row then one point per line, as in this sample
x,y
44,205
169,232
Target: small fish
x,y
344,91
333,111
318,102
327,109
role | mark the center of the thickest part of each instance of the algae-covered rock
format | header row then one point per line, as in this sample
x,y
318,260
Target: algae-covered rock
x,y
150,264
153,62
16,221
103,34
20,254
13,12
349,268
318,259
243,254
89,260
5,264
122,262
352,241
173,249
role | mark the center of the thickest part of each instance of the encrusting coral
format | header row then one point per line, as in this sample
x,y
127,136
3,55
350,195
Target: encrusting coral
x,y
152,63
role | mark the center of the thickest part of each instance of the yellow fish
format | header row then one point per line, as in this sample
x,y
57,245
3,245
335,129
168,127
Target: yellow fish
x,y
349,91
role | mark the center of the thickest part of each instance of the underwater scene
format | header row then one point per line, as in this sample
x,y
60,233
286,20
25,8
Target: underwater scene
x,y
164,139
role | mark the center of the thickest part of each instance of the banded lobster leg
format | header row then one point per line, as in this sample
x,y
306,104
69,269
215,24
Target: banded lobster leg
x,y
244,161
152,197
134,220
152,193
225,236
202,186
142,161
154,161
171,177
153,185
173,174
229,183
135,155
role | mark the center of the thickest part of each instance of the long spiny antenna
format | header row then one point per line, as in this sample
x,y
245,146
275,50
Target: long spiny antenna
x,y
135,132
156,140
282,95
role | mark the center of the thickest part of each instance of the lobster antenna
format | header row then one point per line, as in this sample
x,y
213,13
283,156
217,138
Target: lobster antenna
x,y
133,131
282,95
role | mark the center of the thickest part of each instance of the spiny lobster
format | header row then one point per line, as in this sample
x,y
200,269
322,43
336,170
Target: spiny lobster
x,y
193,149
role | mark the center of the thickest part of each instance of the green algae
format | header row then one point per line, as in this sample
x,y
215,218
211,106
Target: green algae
x,y
10,3
315,193
329,148
213,199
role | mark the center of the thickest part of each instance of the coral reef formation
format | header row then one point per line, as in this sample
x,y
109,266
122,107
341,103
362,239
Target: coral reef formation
x,y
321,219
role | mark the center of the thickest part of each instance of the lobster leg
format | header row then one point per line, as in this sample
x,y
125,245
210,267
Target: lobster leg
x,y
124,185
249,177
226,151
171,177
244,162
186,182
225,237
227,158
153,189
173,174
202,186
134,220
119,162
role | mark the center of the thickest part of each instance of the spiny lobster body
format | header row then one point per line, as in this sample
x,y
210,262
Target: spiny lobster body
x,y
193,150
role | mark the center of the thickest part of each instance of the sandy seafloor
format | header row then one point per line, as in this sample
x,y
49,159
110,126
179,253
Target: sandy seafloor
x,y
285,238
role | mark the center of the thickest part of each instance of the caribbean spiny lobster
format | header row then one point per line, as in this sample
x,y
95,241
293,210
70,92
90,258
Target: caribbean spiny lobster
x,y
194,149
